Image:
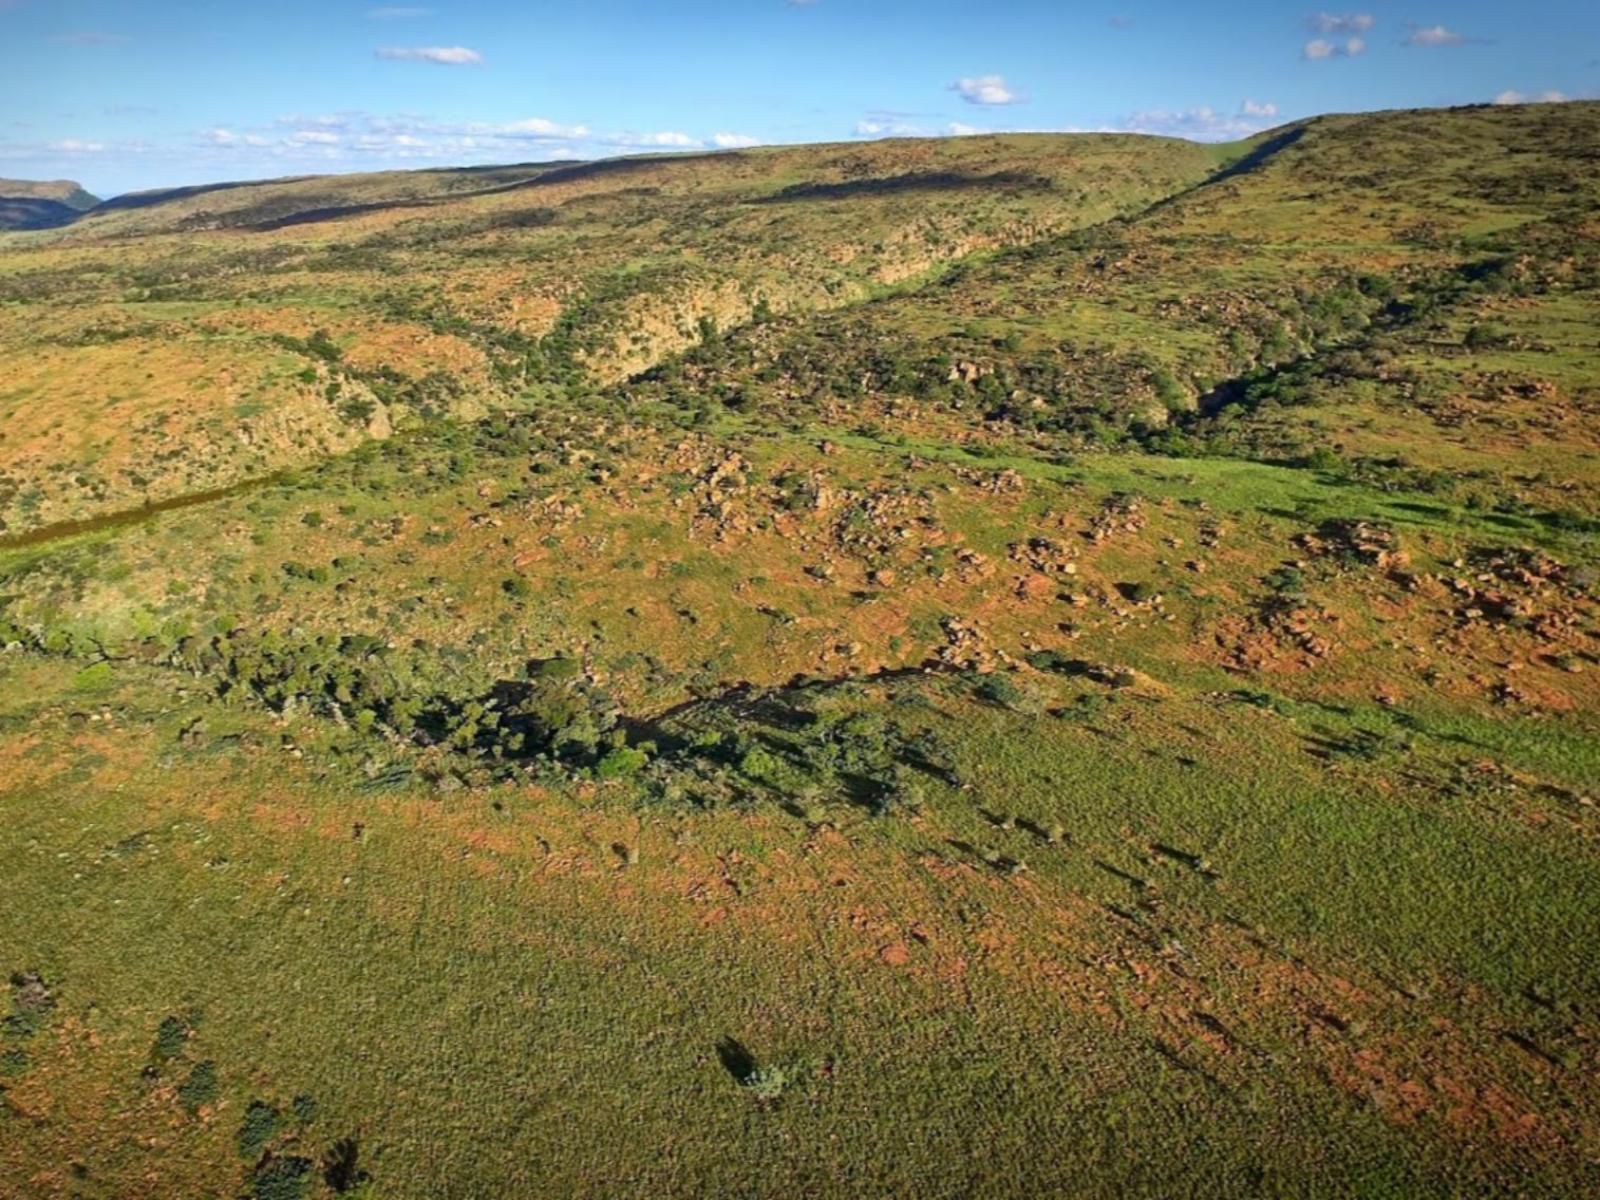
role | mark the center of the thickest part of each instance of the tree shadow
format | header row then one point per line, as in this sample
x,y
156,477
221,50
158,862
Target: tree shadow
x,y
736,1059
341,1167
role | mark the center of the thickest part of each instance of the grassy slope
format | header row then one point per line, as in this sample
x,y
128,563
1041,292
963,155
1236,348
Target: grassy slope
x,y
1302,901
145,351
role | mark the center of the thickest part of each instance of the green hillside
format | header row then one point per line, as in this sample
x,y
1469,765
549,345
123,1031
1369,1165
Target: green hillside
x,y
1001,666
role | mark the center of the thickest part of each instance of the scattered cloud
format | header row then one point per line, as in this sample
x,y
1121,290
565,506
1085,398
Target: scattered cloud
x,y
670,139
1204,123
1515,97
227,137
334,136
536,127
1318,49
1327,23
65,152
318,121
906,125
444,56
986,89
887,127
1434,35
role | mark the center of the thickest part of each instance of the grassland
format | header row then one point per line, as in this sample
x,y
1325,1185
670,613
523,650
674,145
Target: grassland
x,y
1034,665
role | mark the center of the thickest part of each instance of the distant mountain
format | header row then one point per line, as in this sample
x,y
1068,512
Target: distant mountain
x,y
42,204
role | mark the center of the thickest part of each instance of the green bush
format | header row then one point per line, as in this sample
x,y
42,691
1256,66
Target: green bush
x,y
172,1035
766,1084
1000,690
200,1088
622,762
287,1178
257,1129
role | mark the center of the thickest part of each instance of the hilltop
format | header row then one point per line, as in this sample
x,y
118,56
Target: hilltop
x,y
27,204
1037,664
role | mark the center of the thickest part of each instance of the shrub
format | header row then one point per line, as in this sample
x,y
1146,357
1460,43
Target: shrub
x,y
1486,336
1001,690
621,762
766,1084
259,1127
200,1088
286,1178
171,1037
557,670
96,678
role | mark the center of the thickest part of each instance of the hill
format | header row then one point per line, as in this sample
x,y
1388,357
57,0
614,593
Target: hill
x,y
1033,665
189,345
27,204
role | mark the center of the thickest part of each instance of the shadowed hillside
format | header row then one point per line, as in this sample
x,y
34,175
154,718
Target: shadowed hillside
x,y
25,204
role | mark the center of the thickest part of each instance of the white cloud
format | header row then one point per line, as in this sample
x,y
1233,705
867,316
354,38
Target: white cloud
x,y
369,141
883,126
669,139
905,125
444,56
1434,35
1318,49
1347,23
321,121
1515,97
37,154
986,89
538,127
1204,123
227,137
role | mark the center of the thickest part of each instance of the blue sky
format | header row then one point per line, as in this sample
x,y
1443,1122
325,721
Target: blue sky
x,y
124,94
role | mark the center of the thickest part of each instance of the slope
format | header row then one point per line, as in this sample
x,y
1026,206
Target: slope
x,y
143,366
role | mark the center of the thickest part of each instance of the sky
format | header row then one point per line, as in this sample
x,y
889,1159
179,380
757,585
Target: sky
x,y
130,94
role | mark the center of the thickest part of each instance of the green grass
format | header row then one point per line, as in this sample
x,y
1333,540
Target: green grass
x,y
1020,784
